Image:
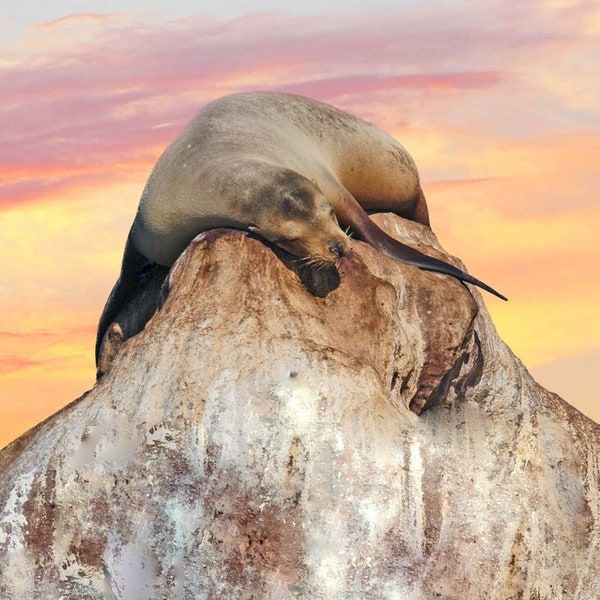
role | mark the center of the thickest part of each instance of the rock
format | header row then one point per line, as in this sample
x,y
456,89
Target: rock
x,y
374,440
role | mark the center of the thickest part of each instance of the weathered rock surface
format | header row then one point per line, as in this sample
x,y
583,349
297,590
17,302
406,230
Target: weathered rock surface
x,y
257,441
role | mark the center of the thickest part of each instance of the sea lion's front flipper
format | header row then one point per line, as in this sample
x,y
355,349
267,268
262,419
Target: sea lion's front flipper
x,y
351,214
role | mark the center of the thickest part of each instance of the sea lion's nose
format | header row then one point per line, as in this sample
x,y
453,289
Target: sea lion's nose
x,y
337,248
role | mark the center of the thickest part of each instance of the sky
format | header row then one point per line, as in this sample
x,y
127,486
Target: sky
x,y
497,102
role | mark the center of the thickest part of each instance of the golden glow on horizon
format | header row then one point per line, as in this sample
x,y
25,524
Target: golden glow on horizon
x,y
64,278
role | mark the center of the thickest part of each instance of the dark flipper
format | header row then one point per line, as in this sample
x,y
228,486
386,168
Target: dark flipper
x,y
134,297
406,254
350,213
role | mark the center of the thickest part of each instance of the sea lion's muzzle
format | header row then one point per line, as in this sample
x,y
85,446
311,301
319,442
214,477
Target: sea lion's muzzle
x,y
337,248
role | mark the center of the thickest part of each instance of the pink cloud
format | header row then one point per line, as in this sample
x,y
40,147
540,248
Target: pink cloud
x,y
361,85
80,19
12,364
104,106
23,350
64,334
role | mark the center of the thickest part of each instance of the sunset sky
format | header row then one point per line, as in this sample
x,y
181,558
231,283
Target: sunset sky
x,y
498,102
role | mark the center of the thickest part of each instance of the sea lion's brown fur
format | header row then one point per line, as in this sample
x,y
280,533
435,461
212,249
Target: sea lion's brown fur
x,y
293,170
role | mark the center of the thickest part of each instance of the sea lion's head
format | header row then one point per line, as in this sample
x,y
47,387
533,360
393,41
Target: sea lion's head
x,y
299,219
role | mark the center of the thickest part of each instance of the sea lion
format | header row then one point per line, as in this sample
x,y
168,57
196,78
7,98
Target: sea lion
x,y
293,170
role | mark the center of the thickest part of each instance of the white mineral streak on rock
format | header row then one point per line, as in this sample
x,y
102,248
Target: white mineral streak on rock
x,y
13,526
130,568
13,522
259,442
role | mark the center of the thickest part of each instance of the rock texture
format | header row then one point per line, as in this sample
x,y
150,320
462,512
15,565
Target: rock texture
x,y
257,441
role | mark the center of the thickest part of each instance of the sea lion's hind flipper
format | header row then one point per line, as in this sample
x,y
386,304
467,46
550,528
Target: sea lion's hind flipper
x,y
350,213
114,304
421,212
108,348
139,278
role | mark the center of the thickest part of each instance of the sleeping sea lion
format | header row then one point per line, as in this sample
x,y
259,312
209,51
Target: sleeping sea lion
x,y
295,171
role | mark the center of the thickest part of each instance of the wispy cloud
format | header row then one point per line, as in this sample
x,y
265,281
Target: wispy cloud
x,y
10,364
76,112
49,349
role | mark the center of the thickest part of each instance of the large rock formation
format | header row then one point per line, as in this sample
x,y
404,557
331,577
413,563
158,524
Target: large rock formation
x,y
260,441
